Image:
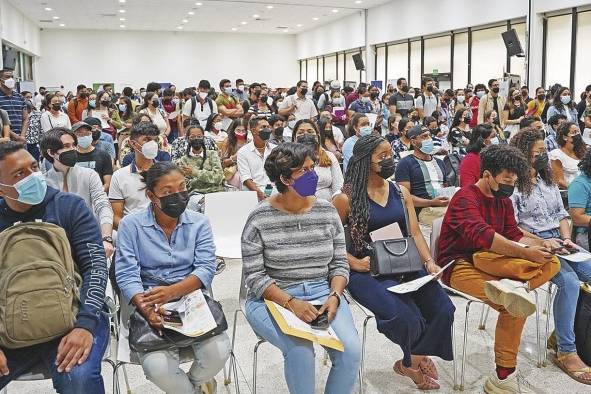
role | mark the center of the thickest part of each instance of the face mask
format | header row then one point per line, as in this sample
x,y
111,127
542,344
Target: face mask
x,y
466,119
9,83
565,99
155,103
56,107
92,103
415,118
263,99
105,103
387,167
496,90
217,125
122,107
461,99
150,150
541,162
430,89
228,90
291,124
480,94
304,91
427,147
365,130
541,97
175,204
31,189
142,94
197,143
203,95
84,142
307,139
83,95
68,158
577,139
265,134
373,95
365,99
494,141
504,191
306,185
240,136
404,89
240,88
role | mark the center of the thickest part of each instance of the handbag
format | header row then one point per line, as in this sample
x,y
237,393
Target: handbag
x,y
395,256
144,338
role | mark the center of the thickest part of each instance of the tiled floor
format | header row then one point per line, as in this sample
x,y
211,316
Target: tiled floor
x,y
381,354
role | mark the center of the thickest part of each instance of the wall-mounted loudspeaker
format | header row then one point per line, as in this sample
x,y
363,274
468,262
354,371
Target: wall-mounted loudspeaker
x,y
358,62
512,43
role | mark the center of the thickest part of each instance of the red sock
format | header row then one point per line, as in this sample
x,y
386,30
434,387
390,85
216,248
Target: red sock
x,y
503,372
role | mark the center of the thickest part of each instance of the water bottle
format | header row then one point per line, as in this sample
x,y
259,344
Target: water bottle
x,y
268,190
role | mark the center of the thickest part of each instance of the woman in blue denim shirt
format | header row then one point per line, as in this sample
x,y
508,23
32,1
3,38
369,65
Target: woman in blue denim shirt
x,y
563,104
167,243
539,210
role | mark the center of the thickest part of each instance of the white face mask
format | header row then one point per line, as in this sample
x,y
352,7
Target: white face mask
x,y
9,83
461,99
218,126
203,95
291,124
150,150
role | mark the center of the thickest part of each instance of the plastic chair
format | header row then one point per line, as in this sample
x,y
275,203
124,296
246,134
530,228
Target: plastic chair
x,y
227,213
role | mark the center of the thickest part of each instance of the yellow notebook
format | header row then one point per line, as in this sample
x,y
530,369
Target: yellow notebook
x,y
290,324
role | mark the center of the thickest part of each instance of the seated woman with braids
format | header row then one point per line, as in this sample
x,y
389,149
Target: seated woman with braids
x,y
419,322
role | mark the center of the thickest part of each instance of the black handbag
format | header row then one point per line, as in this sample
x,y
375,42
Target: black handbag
x,y
144,338
392,257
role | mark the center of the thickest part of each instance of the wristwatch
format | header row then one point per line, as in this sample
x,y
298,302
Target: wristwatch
x,y
108,239
337,295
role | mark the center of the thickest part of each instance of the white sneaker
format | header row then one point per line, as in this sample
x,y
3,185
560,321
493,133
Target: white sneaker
x,y
514,384
209,387
513,295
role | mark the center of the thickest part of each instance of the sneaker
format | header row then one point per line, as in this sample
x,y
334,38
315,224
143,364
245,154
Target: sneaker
x,y
514,384
220,265
513,295
209,387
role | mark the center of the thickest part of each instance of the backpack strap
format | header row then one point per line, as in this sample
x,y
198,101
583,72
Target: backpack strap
x,y
210,102
193,106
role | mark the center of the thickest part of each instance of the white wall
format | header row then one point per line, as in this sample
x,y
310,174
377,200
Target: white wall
x,y
18,29
134,58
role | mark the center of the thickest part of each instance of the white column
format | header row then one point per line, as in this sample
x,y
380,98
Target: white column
x,y
370,57
534,57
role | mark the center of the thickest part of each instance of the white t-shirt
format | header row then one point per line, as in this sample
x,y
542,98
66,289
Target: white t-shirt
x,y
429,106
251,165
157,118
221,136
48,121
127,186
305,108
202,112
570,166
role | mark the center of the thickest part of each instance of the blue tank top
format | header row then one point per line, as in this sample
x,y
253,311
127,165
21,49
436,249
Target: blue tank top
x,y
382,216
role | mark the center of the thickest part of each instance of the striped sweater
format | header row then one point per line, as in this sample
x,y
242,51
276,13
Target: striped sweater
x,y
288,249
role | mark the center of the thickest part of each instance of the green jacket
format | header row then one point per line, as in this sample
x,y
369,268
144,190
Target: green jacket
x,y
210,179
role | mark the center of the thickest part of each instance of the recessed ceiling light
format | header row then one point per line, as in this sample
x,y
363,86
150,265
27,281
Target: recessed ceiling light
x,y
256,16
122,1
335,10
358,1
185,21
315,18
286,31
122,19
122,26
243,23
190,13
62,25
56,17
122,11
179,27
198,4
299,25
234,29
269,7
48,9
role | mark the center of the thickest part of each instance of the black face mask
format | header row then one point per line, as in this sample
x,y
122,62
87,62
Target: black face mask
x,y
279,131
430,89
504,191
265,134
56,107
373,96
83,95
404,89
307,139
435,131
466,119
263,99
415,118
304,91
541,162
577,140
541,97
68,158
197,143
496,90
328,133
155,103
105,103
175,204
387,167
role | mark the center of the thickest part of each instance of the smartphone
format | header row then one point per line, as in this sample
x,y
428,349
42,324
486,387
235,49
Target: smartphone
x,y
321,322
174,319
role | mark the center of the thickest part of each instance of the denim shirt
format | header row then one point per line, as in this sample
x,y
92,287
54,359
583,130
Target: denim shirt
x,y
542,210
142,244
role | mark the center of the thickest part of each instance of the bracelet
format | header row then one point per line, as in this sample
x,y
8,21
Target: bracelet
x,y
430,259
286,303
337,295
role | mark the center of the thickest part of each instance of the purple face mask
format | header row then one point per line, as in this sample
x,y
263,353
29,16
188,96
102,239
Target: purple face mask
x,y
306,185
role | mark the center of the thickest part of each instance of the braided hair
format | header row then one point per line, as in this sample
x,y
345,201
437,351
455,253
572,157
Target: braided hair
x,y
190,148
356,187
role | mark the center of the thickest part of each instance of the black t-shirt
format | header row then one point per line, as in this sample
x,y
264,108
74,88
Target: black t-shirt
x,y
402,102
97,160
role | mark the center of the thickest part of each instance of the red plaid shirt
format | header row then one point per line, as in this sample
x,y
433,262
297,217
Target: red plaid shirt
x,y
470,224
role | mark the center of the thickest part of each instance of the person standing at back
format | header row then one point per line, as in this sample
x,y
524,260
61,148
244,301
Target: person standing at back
x,y
429,101
53,116
228,106
78,104
491,101
298,104
201,106
14,104
401,102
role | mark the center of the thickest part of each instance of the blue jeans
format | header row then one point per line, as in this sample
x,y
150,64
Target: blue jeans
x,y
567,282
298,354
85,378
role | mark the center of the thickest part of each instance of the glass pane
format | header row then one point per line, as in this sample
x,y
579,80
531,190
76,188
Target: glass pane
x,y
330,68
304,70
582,69
460,60
312,70
518,63
381,65
437,54
352,74
397,61
340,67
558,44
415,64
489,55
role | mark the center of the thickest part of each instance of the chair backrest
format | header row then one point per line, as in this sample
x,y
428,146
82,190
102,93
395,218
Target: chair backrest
x,y
227,213
435,232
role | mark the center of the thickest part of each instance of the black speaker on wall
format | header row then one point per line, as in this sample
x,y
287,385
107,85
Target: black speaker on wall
x,y
9,58
358,62
512,43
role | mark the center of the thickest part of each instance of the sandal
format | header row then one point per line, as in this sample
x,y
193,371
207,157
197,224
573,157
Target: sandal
x,y
576,374
426,382
427,366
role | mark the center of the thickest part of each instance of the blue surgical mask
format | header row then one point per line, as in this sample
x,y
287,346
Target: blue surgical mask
x,y
427,146
122,107
494,141
31,189
228,90
365,130
306,185
565,99
92,103
84,142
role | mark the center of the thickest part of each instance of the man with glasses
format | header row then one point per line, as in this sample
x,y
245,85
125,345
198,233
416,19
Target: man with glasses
x,y
491,101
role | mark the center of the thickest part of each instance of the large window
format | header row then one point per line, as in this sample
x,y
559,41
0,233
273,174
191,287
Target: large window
x,y
558,47
352,73
398,61
518,63
304,69
489,55
312,70
330,68
582,68
415,64
341,66
460,69
437,51
23,67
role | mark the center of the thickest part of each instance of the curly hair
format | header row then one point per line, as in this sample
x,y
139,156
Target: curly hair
x,y
585,163
356,187
284,159
562,134
496,158
524,140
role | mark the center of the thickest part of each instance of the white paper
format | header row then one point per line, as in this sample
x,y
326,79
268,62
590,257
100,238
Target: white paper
x,y
294,322
391,231
173,115
414,285
577,257
195,314
372,119
447,191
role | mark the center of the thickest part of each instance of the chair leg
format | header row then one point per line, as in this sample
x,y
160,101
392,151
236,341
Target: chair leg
x,y
233,362
254,367
483,317
116,388
228,378
362,366
461,387
548,317
540,352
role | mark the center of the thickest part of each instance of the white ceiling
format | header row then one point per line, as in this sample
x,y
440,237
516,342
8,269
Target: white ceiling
x,y
274,16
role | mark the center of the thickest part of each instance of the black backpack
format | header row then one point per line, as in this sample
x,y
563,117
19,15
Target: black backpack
x,y
583,324
452,168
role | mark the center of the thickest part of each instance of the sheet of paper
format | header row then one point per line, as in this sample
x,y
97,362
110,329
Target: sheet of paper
x,y
577,257
391,231
447,191
195,314
294,322
372,119
174,114
414,285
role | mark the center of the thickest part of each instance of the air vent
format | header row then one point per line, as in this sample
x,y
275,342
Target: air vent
x,y
45,20
108,15
261,19
282,27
